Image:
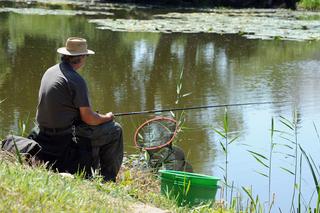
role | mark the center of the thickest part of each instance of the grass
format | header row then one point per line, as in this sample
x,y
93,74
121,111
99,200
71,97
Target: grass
x,y
310,4
25,188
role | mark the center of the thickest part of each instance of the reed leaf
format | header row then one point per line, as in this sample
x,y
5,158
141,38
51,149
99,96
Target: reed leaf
x,y
219,133
250,196
287,125
318,201
221,167
223,147
299,192
260,161
234,139
260,173
286,122
283,132
225,121
315,127
257,154
315,167
181,74
186,94
287,170
287,139
18,152
272,127
290,155
285,145
312,169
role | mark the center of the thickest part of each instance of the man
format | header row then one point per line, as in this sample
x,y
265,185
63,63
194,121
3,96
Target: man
x,y
64,109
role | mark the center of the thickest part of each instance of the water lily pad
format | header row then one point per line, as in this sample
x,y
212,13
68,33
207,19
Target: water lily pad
x,y
255,24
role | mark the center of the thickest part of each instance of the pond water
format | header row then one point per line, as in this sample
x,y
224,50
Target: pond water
x,y
134,71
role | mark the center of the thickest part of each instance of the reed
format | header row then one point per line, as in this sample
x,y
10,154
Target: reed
x,y
293,144
265,162
226,141
179,87
272,144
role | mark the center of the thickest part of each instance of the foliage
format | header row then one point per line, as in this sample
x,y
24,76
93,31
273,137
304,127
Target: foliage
x,y
25,188
310,4
225,141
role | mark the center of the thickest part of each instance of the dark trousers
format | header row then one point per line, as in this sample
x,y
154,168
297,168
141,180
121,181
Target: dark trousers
x,y
63,154
107,147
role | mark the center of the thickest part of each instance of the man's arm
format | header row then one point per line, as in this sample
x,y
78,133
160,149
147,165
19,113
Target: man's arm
x,y
92,118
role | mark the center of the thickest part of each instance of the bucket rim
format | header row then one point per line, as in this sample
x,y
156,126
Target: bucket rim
x,y
188,174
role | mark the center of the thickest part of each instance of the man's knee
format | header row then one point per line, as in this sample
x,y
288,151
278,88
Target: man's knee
x,y
118,128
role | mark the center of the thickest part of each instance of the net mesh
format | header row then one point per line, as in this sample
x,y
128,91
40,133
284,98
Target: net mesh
x,y
156,133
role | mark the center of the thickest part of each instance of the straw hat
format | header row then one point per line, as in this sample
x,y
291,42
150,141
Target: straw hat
x,y
75,46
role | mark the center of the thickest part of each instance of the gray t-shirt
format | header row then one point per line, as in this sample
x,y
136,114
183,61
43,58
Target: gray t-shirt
x,y
62,92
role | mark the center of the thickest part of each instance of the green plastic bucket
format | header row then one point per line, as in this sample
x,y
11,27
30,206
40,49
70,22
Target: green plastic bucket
x,y
188,188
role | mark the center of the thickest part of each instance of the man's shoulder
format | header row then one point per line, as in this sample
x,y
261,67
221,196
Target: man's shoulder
x,y
54,67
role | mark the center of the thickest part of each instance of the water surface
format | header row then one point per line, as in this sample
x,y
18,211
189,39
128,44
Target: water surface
x,y
140,71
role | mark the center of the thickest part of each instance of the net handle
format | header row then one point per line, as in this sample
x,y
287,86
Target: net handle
x,y
149,121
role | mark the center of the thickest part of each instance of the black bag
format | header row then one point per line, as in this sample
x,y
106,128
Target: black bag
x,y
64,155
27,147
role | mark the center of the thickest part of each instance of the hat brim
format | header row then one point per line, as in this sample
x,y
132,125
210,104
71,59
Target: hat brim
x,y
64,51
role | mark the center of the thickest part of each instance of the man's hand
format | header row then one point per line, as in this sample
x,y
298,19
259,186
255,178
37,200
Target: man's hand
x,y
109,116
93,118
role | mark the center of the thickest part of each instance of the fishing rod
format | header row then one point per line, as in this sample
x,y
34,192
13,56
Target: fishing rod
x,y
194,107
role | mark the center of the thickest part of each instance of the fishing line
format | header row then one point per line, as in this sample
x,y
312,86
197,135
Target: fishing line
x,y
195,107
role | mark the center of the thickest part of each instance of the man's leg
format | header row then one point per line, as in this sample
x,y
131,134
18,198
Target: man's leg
x,y
107,147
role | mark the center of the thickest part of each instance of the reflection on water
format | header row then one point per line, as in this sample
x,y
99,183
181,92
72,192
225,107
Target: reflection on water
x,y
139,71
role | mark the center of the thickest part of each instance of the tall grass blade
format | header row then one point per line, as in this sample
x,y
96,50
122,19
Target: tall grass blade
x,y
300,177
186,94
314,166
260,173
286,122
260,161
250,196
17,152
287,139
287,170
258,154
315,127
219,133
223,147
270,163
314,176
234,139
225,121
272,128
318,201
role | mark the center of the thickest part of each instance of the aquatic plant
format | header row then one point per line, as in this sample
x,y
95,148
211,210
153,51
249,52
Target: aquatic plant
x,y
226,141
266,162
23,126
293,144
179,88
314,171
272,144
